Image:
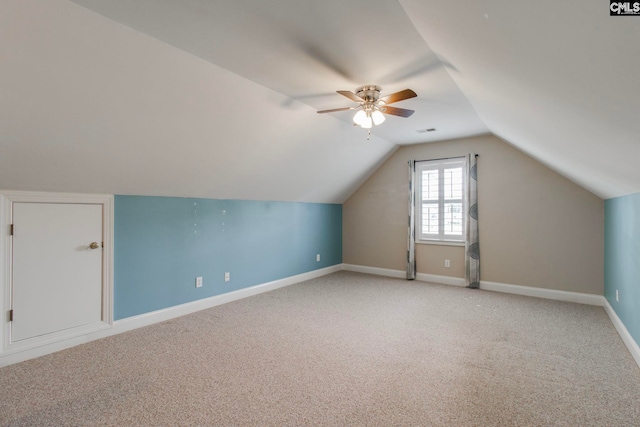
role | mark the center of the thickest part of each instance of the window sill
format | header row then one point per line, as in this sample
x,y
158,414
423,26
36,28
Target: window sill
x,y
439,243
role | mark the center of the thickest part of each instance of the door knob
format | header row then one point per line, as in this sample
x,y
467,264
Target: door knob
x,y
94,245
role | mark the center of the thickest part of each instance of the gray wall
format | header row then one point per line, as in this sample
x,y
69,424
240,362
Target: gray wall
x,y
537,228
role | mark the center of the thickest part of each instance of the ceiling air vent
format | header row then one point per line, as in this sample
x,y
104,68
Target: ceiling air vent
x,y
426,130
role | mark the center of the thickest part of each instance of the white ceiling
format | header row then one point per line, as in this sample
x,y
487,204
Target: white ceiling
x,y
557,79
217,98
308,50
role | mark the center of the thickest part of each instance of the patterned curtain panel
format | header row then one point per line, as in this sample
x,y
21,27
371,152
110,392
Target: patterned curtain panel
x,y
411,228
472,242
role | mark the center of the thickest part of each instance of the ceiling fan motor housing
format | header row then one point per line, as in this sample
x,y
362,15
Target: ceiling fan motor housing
x,y
369,93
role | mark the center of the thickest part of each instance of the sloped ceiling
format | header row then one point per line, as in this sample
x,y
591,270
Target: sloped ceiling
x,y
557,79
217,99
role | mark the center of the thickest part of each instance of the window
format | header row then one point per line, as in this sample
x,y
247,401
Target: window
x,y
440,200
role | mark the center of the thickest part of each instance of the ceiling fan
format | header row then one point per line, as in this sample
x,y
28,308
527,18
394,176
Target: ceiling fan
x,y
372,107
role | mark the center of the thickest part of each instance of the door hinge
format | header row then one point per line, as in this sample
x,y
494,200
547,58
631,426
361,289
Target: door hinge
x,y
11,230
11,315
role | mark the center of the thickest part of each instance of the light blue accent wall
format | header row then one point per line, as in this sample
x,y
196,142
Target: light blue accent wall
x,y
162,244
622,259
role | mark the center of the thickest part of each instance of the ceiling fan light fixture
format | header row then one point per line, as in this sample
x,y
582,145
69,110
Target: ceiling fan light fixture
x,y
360,117
367,123
377,117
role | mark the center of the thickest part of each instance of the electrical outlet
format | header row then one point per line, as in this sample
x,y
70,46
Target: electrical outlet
x,y
227,276
447,263
617,296
199,282
318,257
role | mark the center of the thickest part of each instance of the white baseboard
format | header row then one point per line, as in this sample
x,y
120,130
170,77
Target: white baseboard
x,y
444,280
553,294
147,319
400,274
387,272
16,356
623,332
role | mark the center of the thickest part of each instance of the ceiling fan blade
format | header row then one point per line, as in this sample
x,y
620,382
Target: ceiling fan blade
x,y
402,112
398,96
352,96
336,109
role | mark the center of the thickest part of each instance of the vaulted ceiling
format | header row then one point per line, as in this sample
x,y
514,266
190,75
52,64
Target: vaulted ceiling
x,y
218,99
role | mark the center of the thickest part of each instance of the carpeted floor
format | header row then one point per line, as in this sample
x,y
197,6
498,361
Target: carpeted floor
x,y
344,349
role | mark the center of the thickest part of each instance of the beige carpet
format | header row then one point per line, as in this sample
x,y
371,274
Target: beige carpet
x,y
345,349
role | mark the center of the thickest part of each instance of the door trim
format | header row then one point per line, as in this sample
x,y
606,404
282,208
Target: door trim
x,y
7,198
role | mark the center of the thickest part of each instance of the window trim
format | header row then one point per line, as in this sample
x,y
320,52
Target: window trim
x,y
440,165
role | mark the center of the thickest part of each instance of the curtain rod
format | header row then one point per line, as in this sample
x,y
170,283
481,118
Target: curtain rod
x,y
445,158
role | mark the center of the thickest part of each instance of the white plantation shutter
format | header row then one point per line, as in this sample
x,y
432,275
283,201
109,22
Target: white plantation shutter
x,y
440,199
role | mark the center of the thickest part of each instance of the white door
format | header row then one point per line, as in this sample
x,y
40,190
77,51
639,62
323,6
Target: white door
x,y
57,275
